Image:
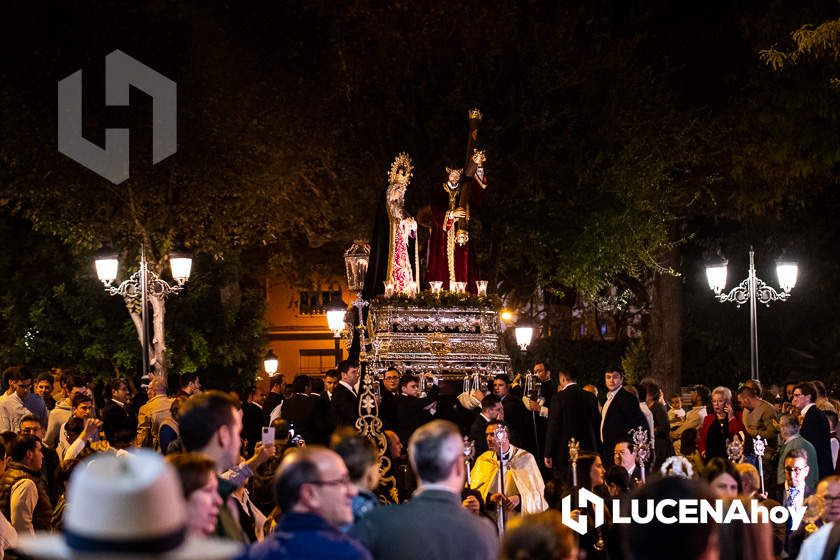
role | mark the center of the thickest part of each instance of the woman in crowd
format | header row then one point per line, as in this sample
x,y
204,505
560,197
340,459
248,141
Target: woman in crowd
x,y
723,478
752,541
590,476
719,427
200,489
169,433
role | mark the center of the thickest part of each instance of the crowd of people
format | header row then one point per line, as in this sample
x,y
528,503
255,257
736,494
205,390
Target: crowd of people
x,y
197,473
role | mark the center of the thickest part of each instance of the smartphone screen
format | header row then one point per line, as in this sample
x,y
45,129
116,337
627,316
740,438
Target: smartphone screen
x,y
268,435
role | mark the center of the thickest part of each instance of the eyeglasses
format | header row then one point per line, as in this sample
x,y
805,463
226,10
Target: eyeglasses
x,y
392,378
795,470
343,481
797,395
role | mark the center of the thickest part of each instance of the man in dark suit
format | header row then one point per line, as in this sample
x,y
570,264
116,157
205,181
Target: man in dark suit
x,y
814,426
573,414
624,456
433,524
119,422
252,419
538,404
299,410
516,415
794,492
345,400
621,413
390,392
491,409
414,410
275,397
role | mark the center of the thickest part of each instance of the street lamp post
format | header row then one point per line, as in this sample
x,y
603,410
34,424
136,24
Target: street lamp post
x,y
753,290
142,285
524,333
335,320
271,363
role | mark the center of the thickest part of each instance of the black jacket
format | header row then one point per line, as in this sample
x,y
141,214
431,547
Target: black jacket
x,y
518,419
573,414
412,412
345,406
271,402
300,410
622,415
118,423
478,434
815,430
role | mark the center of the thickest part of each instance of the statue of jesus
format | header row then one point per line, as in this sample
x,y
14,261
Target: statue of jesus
x,y
449,257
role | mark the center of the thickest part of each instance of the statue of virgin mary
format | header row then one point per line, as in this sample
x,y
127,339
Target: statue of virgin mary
x,y
393,257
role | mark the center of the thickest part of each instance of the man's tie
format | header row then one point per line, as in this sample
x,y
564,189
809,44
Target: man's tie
x,y
792,494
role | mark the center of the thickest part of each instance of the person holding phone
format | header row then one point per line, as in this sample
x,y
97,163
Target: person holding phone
x,y
723,425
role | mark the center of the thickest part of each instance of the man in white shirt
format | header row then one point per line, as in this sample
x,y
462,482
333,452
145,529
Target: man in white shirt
x,y
12,408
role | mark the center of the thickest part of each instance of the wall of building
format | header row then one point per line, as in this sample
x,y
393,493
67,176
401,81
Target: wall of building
x,y
297,328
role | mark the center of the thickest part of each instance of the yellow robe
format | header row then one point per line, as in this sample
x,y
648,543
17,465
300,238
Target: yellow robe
x,y
522,478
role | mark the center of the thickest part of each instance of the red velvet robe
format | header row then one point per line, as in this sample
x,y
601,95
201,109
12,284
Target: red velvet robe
x,y
437,264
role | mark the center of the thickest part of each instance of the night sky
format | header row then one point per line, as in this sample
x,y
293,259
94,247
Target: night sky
x,y
601,119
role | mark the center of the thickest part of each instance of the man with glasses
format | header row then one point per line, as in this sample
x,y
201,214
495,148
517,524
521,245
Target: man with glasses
x,y
789,429
21,401
796,471
390,397
793,493
814,426
313,490
815,545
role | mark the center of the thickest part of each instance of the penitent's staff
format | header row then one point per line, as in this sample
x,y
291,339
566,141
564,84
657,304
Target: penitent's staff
x,y
759,445
574,449
500,433
641,442
532,390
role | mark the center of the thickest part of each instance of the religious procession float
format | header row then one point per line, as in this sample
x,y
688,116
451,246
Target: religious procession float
x,y
439,320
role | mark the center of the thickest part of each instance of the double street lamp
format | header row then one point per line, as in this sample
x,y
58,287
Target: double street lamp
x,y
143,285
753,290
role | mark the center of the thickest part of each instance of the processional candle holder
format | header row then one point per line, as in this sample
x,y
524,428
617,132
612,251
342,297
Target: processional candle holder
x,y
735,449
759,446
641,444
574,450
469,453
500,435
